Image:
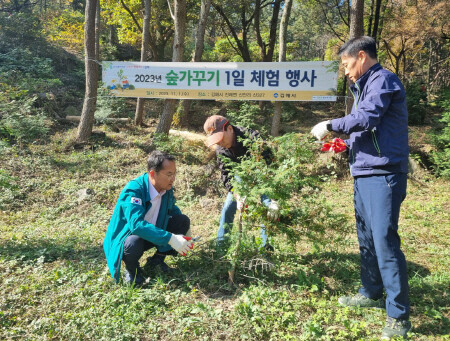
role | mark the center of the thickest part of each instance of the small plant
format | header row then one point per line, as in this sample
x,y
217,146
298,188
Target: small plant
x,y
441,157
21,122
110,106
416,101
289,179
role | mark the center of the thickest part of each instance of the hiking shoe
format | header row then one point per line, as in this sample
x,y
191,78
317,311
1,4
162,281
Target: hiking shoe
x,y
158,261
395,327
360,300
135,278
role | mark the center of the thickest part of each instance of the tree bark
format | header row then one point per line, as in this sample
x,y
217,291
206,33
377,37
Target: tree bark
x,y
275,131
91,71
139,115
356,30
376,19
185,106
165,120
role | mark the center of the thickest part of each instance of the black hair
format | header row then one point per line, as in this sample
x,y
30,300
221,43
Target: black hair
x,y
156,159
352,47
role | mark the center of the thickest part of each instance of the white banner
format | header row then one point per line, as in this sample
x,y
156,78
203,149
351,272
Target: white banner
x,y
288,81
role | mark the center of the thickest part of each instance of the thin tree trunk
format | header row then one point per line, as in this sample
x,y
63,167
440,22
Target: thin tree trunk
x,y
97,37
178,49
139,115
356,30
91,71
376,20
198,52
281,58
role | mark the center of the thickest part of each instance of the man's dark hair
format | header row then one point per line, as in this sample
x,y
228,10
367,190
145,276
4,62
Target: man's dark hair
x,y
354,45
156,159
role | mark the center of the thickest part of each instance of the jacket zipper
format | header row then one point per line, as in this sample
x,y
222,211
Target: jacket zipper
x,y
375,143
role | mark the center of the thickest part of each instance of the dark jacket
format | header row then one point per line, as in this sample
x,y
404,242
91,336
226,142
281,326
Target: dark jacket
x,y
377,124
128,219
236,152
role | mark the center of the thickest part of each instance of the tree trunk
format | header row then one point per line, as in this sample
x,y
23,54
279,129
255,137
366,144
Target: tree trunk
x,y
97,33
356,30
198,52
139,115
178,49
91,71
281,58
376,20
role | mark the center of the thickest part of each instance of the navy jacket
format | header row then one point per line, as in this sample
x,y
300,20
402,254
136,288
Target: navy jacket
x,y
377,124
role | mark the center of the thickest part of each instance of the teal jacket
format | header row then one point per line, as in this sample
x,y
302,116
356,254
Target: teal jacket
x,y
128,219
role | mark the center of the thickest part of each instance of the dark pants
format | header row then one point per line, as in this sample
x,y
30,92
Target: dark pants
x,y
383,264
135,246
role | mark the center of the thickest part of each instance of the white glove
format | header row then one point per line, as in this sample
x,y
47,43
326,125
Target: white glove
x,y
181,245
319,131
240,202
273,212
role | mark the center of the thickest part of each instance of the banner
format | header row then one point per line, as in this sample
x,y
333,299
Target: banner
x,y
287,81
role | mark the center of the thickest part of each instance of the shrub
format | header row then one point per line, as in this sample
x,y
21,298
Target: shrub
x,y
246,115
289,179
416,101
20,121
441,157
111,106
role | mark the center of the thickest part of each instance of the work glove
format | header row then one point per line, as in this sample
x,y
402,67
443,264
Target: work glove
x,y
240,202
273,211
181,244
319,131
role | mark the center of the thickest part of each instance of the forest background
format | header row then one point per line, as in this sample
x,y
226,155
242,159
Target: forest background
x,y
67,148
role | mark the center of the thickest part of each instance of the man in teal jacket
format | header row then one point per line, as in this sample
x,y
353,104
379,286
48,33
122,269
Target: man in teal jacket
x,y
146,216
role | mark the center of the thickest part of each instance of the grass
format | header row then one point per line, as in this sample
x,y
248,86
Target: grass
x,y
55,283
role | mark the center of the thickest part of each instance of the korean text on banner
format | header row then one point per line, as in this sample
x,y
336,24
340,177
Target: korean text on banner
x,y
288,81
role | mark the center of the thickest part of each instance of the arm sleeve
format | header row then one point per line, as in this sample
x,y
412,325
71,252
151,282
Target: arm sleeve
x,y
369,111
225,173
135,213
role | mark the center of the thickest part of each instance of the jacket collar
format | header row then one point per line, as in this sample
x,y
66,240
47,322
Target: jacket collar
x,y
361,81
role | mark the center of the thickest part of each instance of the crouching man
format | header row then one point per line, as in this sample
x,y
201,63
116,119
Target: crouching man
x,y
146,216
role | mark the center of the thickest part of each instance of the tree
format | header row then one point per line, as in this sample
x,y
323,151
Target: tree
x,y
198,51
91,71
356,30
179,18
281,58
227,10
356,19
267,49
139,115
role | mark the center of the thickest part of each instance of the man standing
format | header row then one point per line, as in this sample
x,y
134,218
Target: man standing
x,y
378,157
146,216
228,139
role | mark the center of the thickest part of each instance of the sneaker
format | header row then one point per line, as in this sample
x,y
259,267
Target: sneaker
x,y
158,261
136,277
360,300
395,327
